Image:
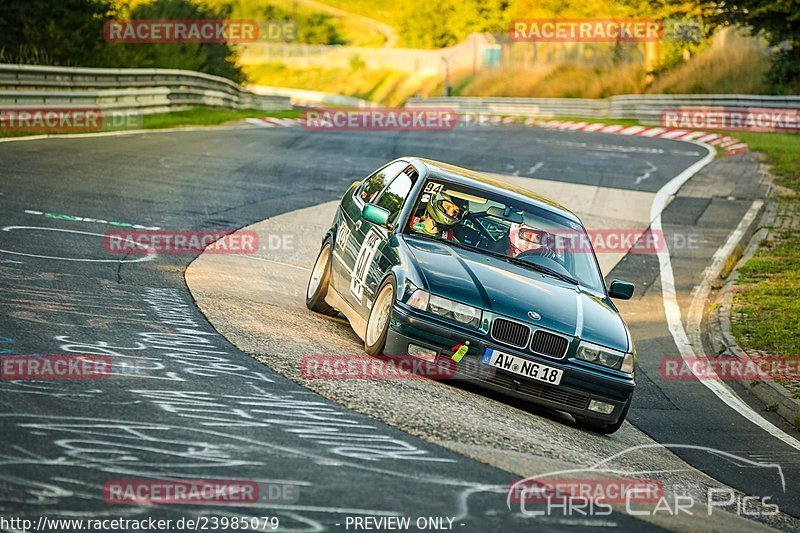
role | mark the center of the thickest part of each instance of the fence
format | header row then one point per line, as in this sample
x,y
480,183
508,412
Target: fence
x,y
141,91
644,107
467,55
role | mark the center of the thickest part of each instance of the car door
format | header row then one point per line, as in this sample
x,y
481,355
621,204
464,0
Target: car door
x,y
374,258
349,237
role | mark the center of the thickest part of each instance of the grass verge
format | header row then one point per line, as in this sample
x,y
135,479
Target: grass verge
x,y
203,116
766,303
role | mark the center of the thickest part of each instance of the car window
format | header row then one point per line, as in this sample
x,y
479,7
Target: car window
x,y
372,186
395,195
496,225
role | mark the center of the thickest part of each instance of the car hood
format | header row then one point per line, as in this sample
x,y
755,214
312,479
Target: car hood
x,y
506,289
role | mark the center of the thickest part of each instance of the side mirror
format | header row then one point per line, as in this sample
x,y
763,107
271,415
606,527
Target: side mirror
x,y
376,215
622,290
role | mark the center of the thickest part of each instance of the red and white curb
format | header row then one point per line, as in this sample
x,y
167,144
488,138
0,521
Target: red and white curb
x,y
269,122
731,145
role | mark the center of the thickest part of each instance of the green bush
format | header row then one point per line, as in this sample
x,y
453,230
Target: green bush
x,y
70,33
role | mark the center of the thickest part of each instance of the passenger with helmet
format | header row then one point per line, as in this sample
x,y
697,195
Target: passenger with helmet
x,y
442,212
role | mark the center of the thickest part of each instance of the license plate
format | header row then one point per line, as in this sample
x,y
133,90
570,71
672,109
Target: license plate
x,y
522,366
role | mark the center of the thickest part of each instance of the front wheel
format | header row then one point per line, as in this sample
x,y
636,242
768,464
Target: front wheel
x,y
379,316
319,282
605,429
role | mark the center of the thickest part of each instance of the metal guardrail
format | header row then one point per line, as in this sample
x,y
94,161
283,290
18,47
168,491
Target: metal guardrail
x,y
141,91
644,107
303,97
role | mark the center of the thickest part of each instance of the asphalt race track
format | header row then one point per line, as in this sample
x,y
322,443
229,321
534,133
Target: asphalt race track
x,y
184,403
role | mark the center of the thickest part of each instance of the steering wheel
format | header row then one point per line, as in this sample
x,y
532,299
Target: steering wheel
x,y
541,251
483,234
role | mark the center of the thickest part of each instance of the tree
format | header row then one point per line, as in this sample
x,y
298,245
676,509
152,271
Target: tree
x,y
70,33
212,58
66,32
777,20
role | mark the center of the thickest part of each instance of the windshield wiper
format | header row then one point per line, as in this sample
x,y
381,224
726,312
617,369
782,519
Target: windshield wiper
x,y
545,270
539,268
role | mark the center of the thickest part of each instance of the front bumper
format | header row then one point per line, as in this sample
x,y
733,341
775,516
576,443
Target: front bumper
x,y
579,384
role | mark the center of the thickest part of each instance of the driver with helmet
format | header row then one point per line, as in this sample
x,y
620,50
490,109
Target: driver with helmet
x,y
442,212
523,239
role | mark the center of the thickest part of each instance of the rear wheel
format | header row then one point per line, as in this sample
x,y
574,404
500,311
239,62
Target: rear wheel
x,y
379,316
605,429
319,282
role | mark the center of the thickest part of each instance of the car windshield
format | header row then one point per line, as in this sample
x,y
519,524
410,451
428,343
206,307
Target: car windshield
x,y
525,234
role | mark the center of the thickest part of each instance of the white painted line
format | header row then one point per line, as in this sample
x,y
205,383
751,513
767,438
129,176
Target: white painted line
x,y
114,133
344,265
611,129
672,309
149,256
633,130
652,132
718,387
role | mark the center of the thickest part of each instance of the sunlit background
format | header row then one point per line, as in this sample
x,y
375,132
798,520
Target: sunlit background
x,y
387,51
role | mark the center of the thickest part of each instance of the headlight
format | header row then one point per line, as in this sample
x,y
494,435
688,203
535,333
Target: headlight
x,y
605,357
467,315
443,307
419,299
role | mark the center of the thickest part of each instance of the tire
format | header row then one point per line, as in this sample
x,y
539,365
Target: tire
x,y
605,429
379,317
319,282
